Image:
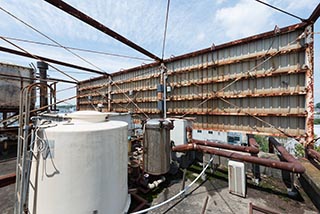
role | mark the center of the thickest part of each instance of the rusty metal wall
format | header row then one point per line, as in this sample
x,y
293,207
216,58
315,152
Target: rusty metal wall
x,y
12,79
259,85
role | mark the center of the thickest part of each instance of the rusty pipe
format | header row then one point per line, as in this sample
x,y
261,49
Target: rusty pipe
x,y
287,166
252,149
313,154
284,153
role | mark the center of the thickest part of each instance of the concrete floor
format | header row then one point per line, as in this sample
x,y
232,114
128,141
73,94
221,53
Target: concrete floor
x,y
219,200
271,194
7,193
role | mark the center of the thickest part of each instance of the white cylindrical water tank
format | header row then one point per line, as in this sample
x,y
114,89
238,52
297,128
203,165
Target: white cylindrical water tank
x,y
85,168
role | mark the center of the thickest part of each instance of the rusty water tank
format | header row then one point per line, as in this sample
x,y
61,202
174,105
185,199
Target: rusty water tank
x,y
156,156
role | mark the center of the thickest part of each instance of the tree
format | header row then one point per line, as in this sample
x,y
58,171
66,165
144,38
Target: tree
x,y
317,105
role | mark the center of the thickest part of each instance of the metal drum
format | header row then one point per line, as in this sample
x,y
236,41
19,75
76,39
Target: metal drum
x,y
156,145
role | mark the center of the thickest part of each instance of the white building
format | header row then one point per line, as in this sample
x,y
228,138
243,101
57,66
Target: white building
x,y
223,137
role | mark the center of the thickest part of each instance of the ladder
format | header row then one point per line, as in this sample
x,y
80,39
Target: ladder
x,y
23,157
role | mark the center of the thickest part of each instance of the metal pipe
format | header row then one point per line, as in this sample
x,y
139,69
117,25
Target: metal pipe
x,y
99,26
284,153
165,93
249,149
315,15
156,183
43,67
295,167
314,154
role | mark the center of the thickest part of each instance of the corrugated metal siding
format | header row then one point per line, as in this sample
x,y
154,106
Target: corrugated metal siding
x,y
10,86
256,86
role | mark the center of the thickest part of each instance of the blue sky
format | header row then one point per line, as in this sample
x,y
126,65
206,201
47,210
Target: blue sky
x,y
192,25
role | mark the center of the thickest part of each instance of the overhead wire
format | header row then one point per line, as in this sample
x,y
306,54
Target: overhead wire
x,y
78,49
283,11
34,56
15,17
49,38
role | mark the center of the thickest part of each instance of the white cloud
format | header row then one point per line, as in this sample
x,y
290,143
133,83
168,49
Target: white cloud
x,y
296,5
191,26
243,19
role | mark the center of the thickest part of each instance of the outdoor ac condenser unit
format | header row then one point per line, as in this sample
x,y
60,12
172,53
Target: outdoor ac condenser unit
x,y
237,178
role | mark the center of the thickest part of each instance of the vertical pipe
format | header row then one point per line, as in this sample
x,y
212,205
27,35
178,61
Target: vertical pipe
x,y
255,167
78,98
54,95
165,93
160,89
109,93
309,61
43,67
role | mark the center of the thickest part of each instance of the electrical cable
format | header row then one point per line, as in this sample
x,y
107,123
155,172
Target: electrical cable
x,y
77,49
165,30
130,100
283,11
180,193
34,56
52,40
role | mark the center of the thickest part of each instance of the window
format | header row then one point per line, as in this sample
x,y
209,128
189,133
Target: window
x,y
199,131
210,132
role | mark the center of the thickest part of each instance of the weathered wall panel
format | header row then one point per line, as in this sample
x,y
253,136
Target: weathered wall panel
x,y
254,85
12,79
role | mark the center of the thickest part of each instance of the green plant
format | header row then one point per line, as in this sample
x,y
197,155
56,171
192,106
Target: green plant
x,y
263,142
316,121
299,150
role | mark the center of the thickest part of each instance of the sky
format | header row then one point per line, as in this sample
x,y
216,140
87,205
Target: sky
x,y
192,25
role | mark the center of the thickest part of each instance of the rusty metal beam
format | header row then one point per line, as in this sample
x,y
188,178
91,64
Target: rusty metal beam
x,y
248,58
99,26
263,74
19,53
252,149
207,50
315,15
287,166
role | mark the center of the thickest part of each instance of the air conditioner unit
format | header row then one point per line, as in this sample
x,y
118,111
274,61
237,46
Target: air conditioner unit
x,y
237,178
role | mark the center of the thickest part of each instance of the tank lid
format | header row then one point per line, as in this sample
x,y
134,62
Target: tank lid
x,y
156,122
89,116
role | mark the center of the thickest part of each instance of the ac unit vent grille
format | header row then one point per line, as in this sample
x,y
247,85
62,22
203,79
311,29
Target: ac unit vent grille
x,y
237,178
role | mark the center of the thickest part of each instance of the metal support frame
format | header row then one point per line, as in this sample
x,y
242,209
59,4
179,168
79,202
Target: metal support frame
x,y
99,26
